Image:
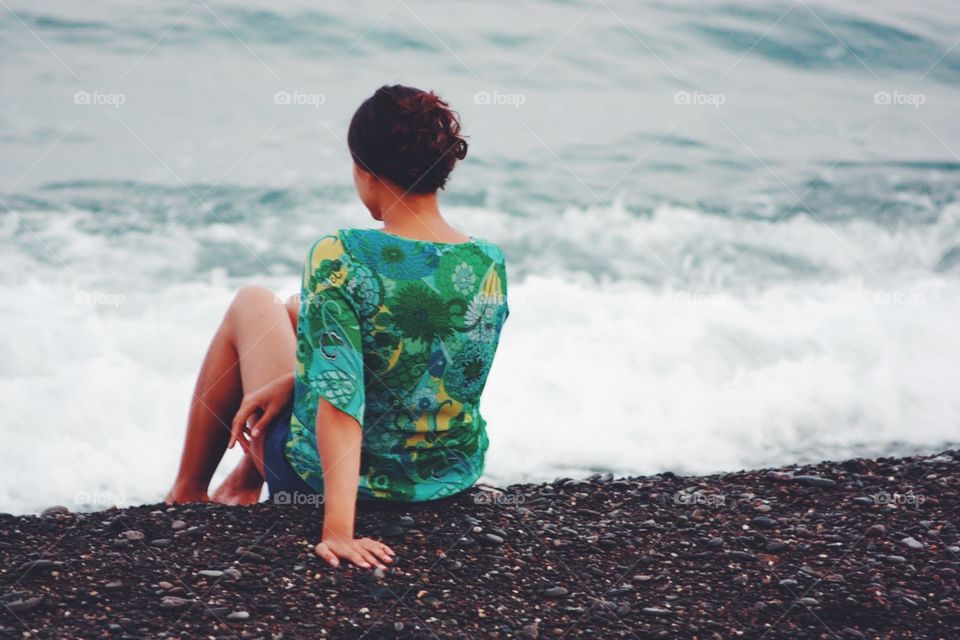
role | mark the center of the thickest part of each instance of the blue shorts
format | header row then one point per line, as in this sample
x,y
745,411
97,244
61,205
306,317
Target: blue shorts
x,y
280,475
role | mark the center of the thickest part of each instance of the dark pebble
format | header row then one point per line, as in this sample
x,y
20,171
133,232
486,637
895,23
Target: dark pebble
x,y
815,481
774,546
555,592
24,605
913,543
491,538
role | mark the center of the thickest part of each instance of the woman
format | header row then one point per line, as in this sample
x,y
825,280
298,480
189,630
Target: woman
x,y
384,355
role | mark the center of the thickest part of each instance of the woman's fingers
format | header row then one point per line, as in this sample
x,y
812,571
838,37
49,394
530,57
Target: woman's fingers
x,y
239,422
371,558
378,550
324,552
358,559
269,413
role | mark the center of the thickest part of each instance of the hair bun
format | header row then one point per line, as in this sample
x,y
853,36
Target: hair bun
x,y
408,136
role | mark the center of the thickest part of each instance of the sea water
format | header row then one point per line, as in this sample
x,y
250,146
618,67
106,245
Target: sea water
x,y
733,229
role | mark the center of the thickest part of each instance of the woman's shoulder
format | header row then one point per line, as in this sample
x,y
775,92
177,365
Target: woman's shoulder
x,y
329,246
492,249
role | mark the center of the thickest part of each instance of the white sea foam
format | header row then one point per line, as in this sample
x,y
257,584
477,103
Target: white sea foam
x,y
619,376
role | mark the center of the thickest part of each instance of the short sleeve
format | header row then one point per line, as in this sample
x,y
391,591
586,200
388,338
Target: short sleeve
x,y
329,347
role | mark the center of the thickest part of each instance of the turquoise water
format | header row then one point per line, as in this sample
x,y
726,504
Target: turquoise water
x,y
732,228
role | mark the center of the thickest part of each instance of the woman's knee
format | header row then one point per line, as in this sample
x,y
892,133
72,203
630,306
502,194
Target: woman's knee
x,y
252,299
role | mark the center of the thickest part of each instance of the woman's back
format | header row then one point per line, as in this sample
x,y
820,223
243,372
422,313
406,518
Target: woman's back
x,y
400,334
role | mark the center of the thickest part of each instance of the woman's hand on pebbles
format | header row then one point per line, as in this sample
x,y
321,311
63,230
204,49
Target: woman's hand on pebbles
x,y
363,552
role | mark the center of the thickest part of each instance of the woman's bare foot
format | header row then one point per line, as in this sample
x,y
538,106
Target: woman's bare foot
x,y
184,496
243,485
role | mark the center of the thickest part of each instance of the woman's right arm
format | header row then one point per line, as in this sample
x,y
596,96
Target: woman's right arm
x,y
339,438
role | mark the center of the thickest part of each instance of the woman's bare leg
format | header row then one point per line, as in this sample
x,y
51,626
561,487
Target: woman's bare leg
x,y
253,346
245,482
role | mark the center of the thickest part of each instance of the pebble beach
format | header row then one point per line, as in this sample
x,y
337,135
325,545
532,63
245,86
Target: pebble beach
x,y
855,549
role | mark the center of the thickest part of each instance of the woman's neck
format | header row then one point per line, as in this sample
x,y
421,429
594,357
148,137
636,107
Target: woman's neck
x,y
419,217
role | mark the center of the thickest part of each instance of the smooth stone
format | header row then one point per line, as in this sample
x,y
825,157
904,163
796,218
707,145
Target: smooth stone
x,y
788,583
743,555
740,580
43,563
246,555
763,508
715,542
166,586
866,500
876,531
113,585
24,605
55,510
491,538
773,546
656,611
764,522
392,531
406,521
810,602
238,616
913,543
210,573
177,525
134,535
161,542
555,592
232,572
896,559
173,602
815,481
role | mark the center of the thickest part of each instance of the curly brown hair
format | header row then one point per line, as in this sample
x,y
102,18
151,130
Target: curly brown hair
x,y
407,136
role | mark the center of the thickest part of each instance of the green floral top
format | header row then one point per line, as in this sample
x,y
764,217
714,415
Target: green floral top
x,y
400,334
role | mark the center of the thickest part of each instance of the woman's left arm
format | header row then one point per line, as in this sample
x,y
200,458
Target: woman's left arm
x,y
339,438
